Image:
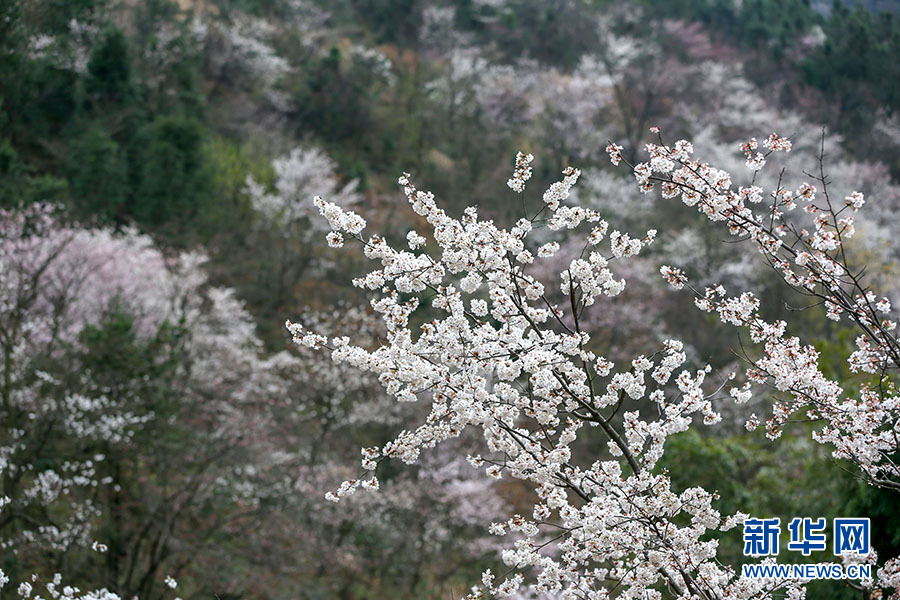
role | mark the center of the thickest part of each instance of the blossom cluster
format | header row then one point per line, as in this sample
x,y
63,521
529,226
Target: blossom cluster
x,y
860,424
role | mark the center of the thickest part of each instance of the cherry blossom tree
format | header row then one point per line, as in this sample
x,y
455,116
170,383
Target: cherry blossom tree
x,y
500,354
60,423
119,364
280,235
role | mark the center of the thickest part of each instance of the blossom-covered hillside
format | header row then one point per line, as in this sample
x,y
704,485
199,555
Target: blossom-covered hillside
x,y
563,310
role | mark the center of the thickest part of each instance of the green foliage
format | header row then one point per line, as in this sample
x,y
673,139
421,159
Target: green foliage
x,y
55,16
391,21
171,184
788,478
230,164
555,33
12,36
166,59
858,60
880,505
834,348
366,125
46,100
129,368
116,141
109,68
98,175
773,24
19,186
252,7
332,99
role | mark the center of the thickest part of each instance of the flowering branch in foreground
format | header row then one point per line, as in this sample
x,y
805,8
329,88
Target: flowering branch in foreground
x,y
862,425
502,357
